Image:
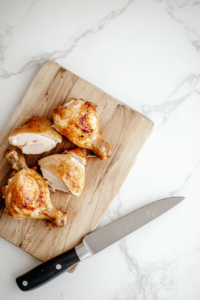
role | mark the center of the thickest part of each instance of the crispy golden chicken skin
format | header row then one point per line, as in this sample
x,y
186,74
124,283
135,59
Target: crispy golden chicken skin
x,y
66,171
27,194
78,121
35,136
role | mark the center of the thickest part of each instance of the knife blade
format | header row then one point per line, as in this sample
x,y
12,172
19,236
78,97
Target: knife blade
x,y
95,242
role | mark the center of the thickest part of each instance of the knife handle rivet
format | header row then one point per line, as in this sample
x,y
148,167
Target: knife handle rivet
x,y
25,283
58,266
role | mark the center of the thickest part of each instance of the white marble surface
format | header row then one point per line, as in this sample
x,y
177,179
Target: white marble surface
x,y
147,54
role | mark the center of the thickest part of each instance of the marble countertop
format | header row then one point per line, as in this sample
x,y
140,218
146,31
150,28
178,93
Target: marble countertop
x,y
146,54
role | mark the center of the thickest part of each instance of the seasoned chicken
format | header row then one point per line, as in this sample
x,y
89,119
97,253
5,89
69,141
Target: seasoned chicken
x,y
27,194
78,121
35,136
65,172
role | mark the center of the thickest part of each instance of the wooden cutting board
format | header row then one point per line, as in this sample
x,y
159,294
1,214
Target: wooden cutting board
x,y
125,129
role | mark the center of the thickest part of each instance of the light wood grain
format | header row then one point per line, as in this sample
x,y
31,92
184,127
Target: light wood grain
x,y
125,129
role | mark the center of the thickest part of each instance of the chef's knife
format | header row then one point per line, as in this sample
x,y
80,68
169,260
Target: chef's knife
x,y
94,243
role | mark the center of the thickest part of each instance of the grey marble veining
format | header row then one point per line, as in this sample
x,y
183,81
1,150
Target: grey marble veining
x,y
40,59
187,88
147,54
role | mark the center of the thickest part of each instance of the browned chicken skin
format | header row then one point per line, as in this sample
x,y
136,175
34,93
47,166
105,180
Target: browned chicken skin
x,y
66,171
35,136
78,121
27,194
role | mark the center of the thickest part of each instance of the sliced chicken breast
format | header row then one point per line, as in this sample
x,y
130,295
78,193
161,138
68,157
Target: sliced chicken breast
x,y
54,182
64,172
35,136
80,154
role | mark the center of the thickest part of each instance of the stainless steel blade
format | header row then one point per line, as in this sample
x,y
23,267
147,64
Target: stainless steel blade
x,y
113,232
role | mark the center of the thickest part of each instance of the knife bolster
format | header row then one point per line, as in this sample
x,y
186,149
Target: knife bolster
x,y
83,251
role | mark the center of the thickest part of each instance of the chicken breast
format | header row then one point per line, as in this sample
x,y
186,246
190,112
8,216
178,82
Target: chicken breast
x,y
78,121
27,194
66,171
35,136
80,154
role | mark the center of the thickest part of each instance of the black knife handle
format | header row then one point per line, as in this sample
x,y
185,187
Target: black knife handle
x,y
47,271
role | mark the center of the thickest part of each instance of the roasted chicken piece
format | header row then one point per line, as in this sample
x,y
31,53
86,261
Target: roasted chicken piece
x,y
27,194
35,136
65,172
78,121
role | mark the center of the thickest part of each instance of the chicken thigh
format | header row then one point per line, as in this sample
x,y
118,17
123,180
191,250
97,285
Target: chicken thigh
x,y
27,194
65,172
78,121
35,136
